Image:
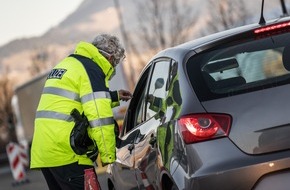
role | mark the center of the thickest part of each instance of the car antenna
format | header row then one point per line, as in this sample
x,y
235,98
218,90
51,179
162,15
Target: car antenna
x,y
262,19
284,10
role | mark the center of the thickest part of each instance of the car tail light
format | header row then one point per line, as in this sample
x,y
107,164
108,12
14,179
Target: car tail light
x,y
200,127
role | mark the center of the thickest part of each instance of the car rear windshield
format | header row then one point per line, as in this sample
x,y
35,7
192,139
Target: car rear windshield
x,y
240,67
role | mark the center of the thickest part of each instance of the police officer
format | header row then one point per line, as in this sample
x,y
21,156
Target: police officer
x,y
79,81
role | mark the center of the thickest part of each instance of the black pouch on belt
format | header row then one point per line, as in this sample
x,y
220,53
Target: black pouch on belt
x,y
79,138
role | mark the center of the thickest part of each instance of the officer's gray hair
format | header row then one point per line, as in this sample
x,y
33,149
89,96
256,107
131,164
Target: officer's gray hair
x,y
108,44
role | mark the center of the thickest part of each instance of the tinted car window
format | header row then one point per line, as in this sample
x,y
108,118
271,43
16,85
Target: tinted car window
x,y
140,109
135,112
239,68
152,82
157,87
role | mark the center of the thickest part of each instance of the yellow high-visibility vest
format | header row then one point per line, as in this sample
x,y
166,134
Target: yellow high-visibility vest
x,y
79,81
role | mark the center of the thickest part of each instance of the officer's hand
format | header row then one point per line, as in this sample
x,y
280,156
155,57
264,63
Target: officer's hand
x,y
125,95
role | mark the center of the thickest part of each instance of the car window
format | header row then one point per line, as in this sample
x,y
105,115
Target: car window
x,y
140,109
135,111
254,66
153,82
157,88
238,68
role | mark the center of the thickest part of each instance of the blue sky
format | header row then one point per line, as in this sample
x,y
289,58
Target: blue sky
x,y
27,18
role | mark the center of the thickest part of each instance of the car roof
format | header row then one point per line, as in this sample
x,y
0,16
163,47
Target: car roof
x,y
199,44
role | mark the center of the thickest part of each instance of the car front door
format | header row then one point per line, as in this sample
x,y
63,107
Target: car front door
x,y
123,170
137,151
145,149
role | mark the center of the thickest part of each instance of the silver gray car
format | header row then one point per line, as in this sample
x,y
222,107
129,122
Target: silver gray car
x,y
213,113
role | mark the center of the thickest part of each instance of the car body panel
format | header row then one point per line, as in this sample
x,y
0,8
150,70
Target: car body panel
x,y
124,165
207,165
255,136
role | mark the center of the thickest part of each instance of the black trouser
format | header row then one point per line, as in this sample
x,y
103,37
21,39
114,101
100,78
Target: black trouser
x,y
68,177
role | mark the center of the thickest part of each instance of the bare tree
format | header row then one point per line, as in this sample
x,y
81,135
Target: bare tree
x,y
7,129
226,14
162,24
39,62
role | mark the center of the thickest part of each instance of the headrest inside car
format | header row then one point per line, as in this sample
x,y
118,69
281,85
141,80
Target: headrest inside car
x,y
286,58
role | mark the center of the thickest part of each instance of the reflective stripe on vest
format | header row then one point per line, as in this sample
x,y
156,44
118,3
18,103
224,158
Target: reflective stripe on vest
x,y
102,121
74,96
53,115
95,95
62,92
68,118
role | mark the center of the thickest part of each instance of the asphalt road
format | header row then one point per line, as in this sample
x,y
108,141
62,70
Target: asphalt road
x,y
35,180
